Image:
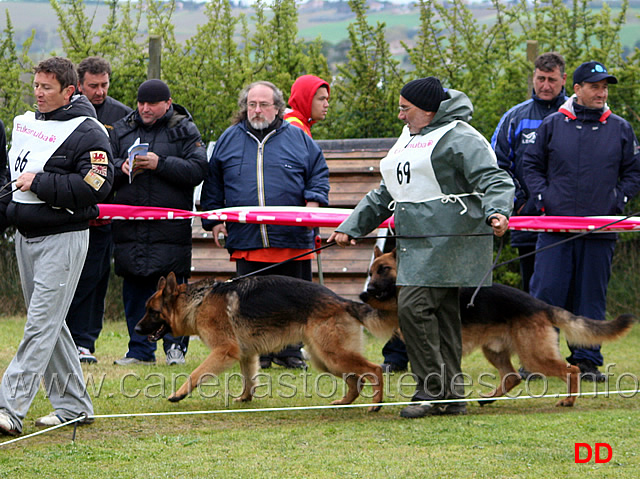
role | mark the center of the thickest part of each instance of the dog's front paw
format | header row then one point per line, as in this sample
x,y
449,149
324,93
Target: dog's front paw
x,y
566,402
176,398
374,408
243,399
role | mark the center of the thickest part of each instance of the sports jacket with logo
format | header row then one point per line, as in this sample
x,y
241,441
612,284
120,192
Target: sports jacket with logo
x,y
69,201
584,162
473,186
517,130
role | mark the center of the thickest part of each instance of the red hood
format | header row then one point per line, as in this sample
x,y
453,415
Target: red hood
x,y
302,93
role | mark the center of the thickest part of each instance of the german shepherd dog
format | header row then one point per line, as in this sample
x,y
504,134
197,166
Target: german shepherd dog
x,y
503,321
240,319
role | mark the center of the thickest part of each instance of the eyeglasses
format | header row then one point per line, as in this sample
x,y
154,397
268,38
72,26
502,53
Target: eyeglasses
x,y
263,105
404,109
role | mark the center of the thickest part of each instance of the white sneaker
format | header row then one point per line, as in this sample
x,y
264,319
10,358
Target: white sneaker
x,y
85,355
131,361
6,426
52,419
175,356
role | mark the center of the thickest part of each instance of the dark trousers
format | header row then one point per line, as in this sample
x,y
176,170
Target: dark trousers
x,y
430,324
526,266
135,292
294,269
575,276
86,313
395,352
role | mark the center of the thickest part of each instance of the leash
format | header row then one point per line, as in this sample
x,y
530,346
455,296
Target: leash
x,y
274,265
566,240
333,243
494,266
10,192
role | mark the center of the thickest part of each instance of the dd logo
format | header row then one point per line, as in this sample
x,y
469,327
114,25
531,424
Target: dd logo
x,y
598,447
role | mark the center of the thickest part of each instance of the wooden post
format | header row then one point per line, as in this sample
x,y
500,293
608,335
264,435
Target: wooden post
x,y
532,54
155,54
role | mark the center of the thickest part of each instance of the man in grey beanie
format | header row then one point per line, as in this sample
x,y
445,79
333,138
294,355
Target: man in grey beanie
x,y
441,179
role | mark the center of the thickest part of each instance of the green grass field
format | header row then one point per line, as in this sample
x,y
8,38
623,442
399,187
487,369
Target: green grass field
x,y
510,438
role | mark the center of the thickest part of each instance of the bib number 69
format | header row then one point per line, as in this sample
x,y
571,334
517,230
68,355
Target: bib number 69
x,y
403,171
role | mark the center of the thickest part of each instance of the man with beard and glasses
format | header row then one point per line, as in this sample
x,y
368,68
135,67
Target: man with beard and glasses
x,y
262,160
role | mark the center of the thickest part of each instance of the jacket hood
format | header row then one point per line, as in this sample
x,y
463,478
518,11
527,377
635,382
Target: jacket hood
x,y
571,110
78,106
456,107
302,92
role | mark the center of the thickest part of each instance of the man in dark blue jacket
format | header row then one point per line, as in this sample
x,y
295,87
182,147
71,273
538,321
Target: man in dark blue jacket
x,y
585,161
262,160
165,176
517,130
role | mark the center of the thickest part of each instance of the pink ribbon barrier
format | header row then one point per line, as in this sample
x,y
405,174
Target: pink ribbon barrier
x,y
332,217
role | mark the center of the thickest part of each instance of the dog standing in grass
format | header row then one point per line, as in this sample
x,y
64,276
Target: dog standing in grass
x,y
240,319
504,321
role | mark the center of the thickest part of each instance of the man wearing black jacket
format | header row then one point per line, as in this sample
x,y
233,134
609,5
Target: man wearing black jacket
x,y
60,159
87,308
175,163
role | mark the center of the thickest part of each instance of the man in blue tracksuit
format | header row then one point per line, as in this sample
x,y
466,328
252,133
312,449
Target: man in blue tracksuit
x,y
585,161
517,130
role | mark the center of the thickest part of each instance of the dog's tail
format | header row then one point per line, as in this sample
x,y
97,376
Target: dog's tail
x,y
582,331
382,324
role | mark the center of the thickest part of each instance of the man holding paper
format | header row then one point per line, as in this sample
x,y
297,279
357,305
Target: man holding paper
x,y
165,176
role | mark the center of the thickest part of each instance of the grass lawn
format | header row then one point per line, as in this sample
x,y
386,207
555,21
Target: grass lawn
x,y
507,439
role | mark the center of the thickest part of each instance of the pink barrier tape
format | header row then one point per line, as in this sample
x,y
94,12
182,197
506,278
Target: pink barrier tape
x,y
332,217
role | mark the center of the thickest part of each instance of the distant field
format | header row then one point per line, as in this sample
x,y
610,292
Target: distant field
x,y
329,24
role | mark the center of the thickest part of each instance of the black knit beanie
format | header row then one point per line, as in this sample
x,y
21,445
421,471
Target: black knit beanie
x,y
153,91
425,93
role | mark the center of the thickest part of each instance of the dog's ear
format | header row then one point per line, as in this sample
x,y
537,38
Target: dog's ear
x,y
171,285
161,283
376,251
393,253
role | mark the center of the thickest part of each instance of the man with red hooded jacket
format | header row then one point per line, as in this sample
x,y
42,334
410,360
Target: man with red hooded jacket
x,y
309,102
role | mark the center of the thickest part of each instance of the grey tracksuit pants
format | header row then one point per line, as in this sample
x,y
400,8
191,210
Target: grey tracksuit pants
x,y
50,267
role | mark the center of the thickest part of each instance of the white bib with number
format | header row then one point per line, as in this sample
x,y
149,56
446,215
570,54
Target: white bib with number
x,y
32,144
407,169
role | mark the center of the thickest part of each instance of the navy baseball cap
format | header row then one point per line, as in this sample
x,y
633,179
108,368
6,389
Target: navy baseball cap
x,y
592,72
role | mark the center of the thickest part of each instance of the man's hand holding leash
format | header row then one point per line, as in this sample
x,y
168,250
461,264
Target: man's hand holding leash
x,y
499,223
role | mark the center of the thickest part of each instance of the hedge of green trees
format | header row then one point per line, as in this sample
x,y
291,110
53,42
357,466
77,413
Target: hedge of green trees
x,y
207,71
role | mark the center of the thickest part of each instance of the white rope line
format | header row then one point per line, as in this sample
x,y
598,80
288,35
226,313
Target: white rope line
x,y
327,406
37,433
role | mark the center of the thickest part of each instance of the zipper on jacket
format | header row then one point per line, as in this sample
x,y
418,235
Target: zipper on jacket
x,y
260,180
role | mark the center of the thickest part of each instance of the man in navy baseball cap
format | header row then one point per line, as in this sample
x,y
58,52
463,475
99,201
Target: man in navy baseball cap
x,y
592,72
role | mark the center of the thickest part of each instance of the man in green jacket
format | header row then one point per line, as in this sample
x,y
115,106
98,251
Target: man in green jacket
x,y
443,183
